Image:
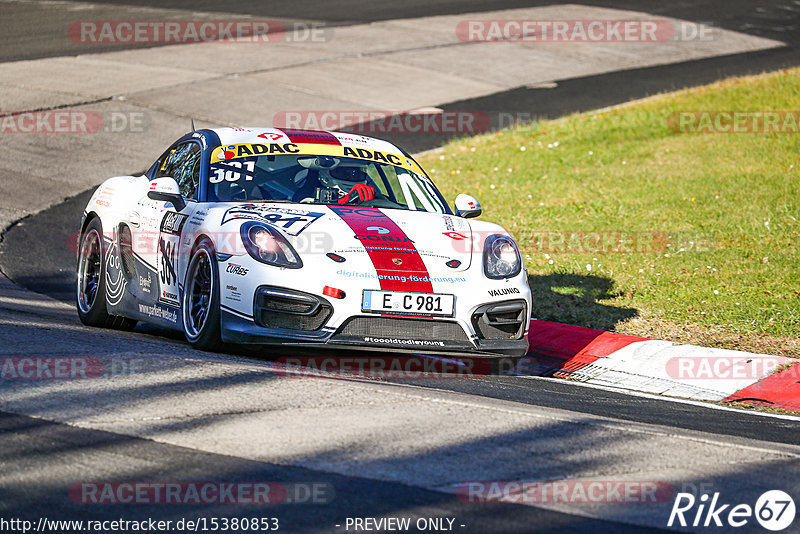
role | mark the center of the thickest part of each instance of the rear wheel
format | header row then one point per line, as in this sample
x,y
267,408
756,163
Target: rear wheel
x,y
91,285
200,306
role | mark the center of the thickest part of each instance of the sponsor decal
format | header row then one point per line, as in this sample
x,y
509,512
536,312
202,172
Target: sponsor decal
x,y
160,312
399,239
455,235
400,278
354,139
504,291
232,293
146,283
395,341
198,217
360,220
115,281
256,149
271,136
374,155
291,221
236,269
173,222
305,136
168,267
335,149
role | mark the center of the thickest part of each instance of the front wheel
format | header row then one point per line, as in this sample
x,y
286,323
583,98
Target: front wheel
x,y
200,306
91,284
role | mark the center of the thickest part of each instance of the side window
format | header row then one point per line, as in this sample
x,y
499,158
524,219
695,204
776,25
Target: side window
x,y
183,164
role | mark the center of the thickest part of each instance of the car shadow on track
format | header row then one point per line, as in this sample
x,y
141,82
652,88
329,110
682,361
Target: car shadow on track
x,y
577,299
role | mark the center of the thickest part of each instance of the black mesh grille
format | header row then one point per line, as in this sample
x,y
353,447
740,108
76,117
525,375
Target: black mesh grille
x,y
400,327
290,310
504,320
126,252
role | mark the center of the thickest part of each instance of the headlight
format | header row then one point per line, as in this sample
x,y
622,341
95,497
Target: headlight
x,y
267,245
501,258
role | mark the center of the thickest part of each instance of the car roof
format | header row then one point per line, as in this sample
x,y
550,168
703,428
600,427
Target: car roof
x,y
241,135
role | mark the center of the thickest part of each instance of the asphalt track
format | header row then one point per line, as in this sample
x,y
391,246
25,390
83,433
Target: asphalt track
x,y
50,448
37,253
48,267
36,29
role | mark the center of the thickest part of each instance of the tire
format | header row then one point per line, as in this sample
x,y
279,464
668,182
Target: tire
x,y
90,287
200,300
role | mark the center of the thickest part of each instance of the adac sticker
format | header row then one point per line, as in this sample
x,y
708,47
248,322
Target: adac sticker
x,y
257,149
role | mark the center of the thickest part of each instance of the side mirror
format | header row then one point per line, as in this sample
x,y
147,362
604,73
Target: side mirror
x,y
467,206
167,190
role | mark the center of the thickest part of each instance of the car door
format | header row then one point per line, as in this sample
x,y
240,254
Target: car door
x,y
164,225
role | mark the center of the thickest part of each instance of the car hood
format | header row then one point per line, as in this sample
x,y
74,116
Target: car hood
x,y
386,238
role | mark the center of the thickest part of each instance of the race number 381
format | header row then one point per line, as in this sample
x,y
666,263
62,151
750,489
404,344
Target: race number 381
x,y
775,510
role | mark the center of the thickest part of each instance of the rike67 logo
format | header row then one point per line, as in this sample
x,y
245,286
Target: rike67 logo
x,y
774,510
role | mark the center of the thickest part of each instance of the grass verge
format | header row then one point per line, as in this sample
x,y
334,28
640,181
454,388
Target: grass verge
x,y
629,226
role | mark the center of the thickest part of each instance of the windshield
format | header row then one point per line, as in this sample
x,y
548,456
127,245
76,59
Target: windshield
x,y
328,175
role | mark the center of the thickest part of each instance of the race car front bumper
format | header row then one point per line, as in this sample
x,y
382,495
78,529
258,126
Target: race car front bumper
x,y
395,334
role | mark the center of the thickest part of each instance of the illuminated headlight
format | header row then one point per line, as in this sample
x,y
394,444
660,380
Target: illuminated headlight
x,y
267,245
501,258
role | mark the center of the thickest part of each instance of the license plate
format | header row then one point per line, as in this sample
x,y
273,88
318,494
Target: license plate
x,y
398,302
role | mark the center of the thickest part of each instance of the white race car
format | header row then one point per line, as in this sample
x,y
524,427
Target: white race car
x,y
275,236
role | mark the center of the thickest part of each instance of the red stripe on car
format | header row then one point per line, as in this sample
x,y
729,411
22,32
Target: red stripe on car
x,y
387,244
308,136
